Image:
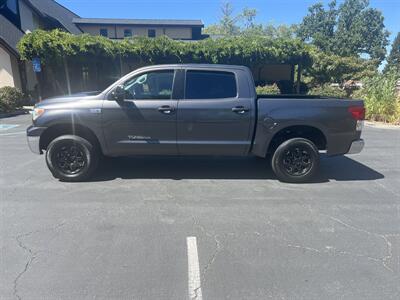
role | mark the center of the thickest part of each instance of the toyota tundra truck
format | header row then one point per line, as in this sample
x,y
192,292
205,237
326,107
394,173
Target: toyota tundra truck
x,y
193,109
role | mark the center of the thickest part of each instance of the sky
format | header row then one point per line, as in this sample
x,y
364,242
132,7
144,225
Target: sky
x,y
269,11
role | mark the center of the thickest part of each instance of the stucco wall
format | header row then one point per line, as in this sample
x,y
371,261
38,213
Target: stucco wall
x,y
95,30
6,73
15,72
172,32
137,31
179,32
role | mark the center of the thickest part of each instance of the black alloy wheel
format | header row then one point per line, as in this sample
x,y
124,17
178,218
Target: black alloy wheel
x,y
296,160
72,158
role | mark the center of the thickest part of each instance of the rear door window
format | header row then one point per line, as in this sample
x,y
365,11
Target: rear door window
x,y
210,85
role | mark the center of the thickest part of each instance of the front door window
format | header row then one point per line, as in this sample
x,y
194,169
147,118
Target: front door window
x,y
152,85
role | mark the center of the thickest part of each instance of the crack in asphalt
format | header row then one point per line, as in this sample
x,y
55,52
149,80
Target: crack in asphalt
x,y
213,257
333,250
384,259
32,256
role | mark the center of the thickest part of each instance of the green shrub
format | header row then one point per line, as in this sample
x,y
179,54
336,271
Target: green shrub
x,y
10,99
268,89
381,99
328,90
328,68
251,51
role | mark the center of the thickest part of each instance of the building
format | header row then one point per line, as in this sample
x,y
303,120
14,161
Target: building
x,y
18,17
10,66
127,28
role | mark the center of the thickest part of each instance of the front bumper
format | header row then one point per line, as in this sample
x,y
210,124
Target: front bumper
x,y
356,146
33,137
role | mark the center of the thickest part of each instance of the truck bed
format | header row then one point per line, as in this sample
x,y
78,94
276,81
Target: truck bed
x,y
328,115
293,96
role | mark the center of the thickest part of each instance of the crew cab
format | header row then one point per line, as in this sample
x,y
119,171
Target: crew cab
x,y
193,109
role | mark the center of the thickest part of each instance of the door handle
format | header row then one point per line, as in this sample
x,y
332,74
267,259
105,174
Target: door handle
x,y
166,109
240,110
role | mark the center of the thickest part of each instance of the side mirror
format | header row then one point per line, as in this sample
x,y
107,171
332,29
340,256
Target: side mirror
x,y
118,93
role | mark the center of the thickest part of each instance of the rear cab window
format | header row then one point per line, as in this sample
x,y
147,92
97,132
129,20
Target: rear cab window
x,y
210,85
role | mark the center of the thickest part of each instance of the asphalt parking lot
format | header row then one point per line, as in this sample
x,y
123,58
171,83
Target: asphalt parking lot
x,y
211,228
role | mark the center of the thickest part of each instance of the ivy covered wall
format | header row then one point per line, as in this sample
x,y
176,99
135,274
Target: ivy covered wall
x,y
93,62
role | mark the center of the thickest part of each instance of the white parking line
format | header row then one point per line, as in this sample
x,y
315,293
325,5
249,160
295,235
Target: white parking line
x,y
4,127
193,269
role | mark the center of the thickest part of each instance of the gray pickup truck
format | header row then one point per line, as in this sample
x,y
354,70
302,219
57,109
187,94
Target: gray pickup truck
x,y
193,110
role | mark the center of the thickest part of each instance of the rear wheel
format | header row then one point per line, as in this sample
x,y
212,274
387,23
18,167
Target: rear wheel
x,y
71,158
295,160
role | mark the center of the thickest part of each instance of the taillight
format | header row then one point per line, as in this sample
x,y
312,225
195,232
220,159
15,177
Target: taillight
x,y
357,112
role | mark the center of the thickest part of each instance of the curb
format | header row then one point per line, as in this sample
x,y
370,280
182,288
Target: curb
x,y
13,114
381,125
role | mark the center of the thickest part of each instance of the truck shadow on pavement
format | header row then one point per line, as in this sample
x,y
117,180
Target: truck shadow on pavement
x,y
339,168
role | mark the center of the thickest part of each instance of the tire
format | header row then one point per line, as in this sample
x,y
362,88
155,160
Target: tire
x,y
296,161
72,158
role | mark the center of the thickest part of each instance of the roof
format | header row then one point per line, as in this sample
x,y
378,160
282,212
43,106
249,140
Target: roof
x,y
52,9
10,34
154,22
193,66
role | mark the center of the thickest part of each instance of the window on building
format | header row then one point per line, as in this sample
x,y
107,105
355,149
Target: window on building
x,y
104,32
12,5
127,33
150,85
210,85
9,9
151,33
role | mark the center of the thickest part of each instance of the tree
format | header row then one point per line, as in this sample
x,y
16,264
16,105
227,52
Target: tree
x,y
361,30
327,68
393,60
353,29
280,31
244,24
318,27
228,22
249,15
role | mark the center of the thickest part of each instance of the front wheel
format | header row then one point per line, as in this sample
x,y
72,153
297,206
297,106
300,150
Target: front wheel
x,y
295,160
71,158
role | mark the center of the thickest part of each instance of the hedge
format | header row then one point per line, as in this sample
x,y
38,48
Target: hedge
x,y
382,100
328,90
243,50
10,99
272,89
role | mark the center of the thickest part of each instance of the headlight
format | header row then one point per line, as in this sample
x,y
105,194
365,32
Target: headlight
x,y
37,112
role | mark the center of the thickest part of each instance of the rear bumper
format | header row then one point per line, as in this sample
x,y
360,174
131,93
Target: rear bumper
x,y
356,146
33,137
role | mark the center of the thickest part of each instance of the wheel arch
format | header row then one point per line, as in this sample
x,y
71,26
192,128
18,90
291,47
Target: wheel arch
x,y
64,129
309,132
